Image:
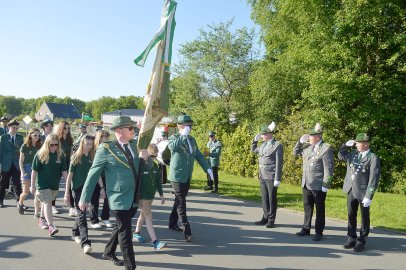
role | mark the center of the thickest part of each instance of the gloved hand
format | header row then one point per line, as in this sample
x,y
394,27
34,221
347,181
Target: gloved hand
x,y
350,143
366,202
185,131
304,138
210,173
324,189
276,183
257,137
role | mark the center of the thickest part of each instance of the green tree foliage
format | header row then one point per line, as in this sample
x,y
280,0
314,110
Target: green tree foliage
x,y
340,63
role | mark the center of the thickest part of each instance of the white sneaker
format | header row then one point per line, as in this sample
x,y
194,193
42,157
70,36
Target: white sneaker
x,y
107,223
87,249
96,226
77,239
72,212
54,210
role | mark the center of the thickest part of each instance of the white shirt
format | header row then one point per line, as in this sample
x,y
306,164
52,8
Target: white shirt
x,y
129,147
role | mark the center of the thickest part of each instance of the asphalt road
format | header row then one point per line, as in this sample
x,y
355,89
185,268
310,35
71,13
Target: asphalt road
x,y
225,239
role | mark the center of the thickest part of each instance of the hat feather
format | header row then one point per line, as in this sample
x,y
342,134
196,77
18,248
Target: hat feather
x,y
317,127
272,126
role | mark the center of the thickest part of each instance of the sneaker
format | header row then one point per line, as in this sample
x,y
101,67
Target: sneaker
x,y
159,245
55,210
77,239
87,249
72,212
52,230
25,207
42,223
36,217
20,208
107,223
96,226
138,238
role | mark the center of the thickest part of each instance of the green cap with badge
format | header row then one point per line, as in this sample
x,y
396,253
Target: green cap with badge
x,y
316,130
212,133
13,123
362,137
46,122
264,129
122,121
185,120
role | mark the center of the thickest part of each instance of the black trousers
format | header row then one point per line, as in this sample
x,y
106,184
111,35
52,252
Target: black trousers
x,y
122,235
14,175
269,198
352,206
80,226
164,173
94,205
215,176
179,207
311,198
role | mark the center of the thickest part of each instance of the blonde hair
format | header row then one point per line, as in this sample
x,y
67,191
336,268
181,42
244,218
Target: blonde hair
x,y
98,137
76,158
28,139
43,152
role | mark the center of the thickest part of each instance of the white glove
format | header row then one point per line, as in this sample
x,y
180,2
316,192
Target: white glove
x,y
324,189
185,131
276,183
210,173
304,138
366,202
350,143
257,137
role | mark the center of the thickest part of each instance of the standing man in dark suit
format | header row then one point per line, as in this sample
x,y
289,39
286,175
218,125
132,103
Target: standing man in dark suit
x,y
10,145
119,161
270,154
184,152
361,181
214,151
318,167
3,129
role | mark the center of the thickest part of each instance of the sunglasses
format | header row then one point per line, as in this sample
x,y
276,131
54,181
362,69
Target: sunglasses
x,y
35,135
129,128
53,144
89,137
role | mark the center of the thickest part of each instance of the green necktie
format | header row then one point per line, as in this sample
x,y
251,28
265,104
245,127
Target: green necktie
x,y
130,155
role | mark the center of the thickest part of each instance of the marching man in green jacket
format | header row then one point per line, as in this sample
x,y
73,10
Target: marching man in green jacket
x,y
214,151
119,161
184,152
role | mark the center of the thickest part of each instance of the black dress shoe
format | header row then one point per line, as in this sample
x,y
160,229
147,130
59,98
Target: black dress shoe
x,y
303,232
214,191
349,244
113,259
317,237
270,224
359,246
260,222
208,188
175,228
189,237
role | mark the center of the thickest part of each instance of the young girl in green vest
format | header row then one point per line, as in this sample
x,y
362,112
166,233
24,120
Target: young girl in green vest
x,y
27,152
48,165
81,162
150,183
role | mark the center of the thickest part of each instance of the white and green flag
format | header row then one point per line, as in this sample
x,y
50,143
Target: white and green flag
x,y
157,97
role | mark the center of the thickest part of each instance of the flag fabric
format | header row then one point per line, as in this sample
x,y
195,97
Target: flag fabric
x,y
157,97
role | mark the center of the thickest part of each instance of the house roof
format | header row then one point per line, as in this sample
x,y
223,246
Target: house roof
x,y
63,110
127,112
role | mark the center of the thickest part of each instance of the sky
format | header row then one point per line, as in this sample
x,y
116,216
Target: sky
x,y
85,49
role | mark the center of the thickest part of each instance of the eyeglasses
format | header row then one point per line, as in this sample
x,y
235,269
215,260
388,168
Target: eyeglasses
x,y
129,128
89,137
53,144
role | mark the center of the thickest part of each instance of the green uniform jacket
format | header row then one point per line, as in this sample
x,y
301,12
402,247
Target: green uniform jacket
x,y
214,152
151,180
2,131
9,154
182,161
120,183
